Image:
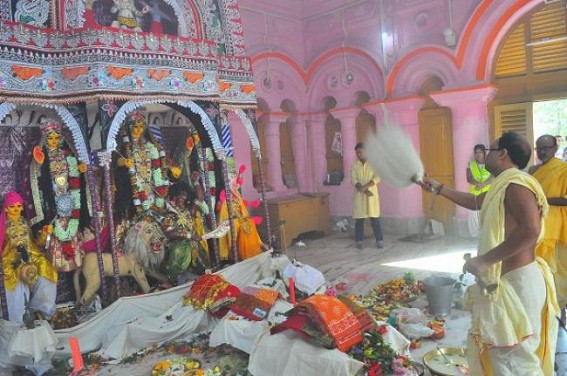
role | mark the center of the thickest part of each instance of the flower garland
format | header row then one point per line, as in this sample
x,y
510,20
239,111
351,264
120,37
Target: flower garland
x,y
183,367
143,200
66,234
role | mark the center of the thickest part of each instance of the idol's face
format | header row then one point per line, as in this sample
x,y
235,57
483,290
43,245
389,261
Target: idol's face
x,y
180,200
14,212
137,129
53,140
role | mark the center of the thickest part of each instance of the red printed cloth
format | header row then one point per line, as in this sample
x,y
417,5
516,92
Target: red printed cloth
x,y
255,303
211,292
333,319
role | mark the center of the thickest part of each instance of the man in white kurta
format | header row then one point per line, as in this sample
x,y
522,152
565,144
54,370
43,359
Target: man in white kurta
x,y
513,305
366,202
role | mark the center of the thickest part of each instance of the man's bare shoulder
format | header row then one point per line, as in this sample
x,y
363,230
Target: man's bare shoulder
x,y
521,202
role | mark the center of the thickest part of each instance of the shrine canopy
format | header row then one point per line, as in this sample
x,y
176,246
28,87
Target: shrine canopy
x,y
68,51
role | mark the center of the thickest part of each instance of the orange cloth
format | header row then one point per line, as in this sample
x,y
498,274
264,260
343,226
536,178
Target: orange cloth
x,y
333,317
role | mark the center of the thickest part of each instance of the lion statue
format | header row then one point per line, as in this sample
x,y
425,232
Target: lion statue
x,y
146,241
127,266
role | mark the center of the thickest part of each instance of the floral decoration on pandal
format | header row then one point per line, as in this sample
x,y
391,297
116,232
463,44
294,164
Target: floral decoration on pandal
x,y
65,317
379,358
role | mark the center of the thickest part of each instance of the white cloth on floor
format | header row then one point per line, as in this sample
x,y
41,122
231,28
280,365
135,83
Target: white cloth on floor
x,y
133,323
26,347
242,333
287,354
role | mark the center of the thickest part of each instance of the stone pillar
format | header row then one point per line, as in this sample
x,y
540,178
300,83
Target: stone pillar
x,y
299,145
470,127
317,150
395,202
273,150
347,117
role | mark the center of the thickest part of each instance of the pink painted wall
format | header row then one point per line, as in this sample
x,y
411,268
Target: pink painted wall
x,y
390,47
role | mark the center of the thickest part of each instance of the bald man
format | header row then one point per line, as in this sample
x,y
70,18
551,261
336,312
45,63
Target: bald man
x,y
552,175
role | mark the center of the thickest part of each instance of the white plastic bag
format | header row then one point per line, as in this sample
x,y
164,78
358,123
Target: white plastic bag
x,y
307,278
413,323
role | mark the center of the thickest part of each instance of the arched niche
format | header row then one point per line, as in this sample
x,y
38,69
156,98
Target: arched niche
x,y
332,78
333,138
430,84
20,133
412,72
206,131
288,146
276,81
66,118
263,107
486,35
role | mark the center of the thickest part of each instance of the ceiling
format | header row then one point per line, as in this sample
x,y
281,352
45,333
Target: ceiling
x,y
299,10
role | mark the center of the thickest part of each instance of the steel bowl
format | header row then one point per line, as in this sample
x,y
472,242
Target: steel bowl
x,y
439,366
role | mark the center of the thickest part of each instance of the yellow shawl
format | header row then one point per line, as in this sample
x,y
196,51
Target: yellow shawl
x,y
499,319
553,179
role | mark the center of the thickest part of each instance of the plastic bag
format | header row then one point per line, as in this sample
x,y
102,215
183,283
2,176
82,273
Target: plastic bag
x,y
307,278
413,323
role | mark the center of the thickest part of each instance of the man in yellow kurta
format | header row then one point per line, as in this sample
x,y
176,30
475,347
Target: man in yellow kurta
x,y
513,305
552,175
366,202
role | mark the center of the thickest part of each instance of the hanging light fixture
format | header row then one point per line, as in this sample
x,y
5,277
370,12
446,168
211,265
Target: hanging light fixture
x,y
267,81
349,77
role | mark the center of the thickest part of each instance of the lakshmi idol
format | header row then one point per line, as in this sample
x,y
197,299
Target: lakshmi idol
x,y
59,197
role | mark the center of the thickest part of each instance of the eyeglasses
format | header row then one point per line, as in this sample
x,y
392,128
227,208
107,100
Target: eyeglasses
x,y
494,149
539,148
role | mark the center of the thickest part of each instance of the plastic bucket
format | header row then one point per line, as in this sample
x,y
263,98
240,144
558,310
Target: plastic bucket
x,y
439,292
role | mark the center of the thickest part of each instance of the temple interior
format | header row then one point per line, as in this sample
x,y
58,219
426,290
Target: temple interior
x,y
159,158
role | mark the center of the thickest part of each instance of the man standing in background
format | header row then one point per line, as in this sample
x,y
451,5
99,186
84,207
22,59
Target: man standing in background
x,y
559,152
366,202
552,175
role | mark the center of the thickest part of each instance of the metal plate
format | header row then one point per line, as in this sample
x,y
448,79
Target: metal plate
x,y
437,365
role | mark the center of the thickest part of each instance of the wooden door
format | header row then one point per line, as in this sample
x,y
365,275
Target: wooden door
x,y
436,149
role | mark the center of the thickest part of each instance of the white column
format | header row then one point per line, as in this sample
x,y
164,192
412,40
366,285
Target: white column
x,y
469,109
